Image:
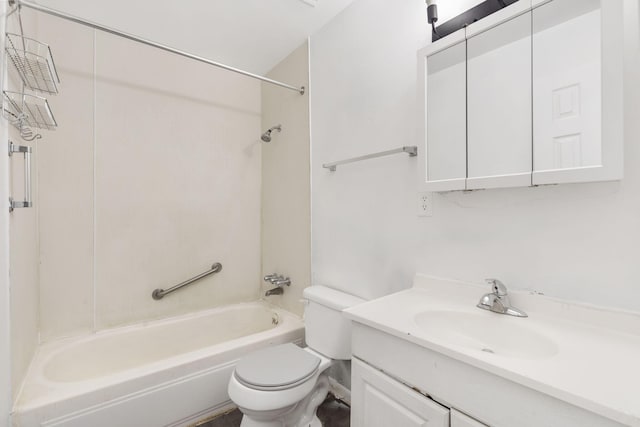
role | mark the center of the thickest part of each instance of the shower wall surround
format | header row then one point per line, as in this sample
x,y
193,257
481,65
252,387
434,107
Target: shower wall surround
x,y
576,242
286,189
66,169
24,242
153,175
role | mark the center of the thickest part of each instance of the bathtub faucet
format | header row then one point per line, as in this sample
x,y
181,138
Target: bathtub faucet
x,y
279,280
275,291
272,277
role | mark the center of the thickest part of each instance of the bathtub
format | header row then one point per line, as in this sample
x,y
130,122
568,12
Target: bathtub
x,y
172,372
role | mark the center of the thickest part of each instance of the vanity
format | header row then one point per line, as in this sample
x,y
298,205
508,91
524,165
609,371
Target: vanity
x,y
427,356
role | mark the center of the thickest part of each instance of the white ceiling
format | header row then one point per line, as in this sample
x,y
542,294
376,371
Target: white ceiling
x,y
253,35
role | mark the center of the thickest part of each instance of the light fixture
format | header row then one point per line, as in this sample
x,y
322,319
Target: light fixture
x,y
432,14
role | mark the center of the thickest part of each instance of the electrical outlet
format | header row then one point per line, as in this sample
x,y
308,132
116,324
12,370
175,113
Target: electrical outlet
x,y
425,204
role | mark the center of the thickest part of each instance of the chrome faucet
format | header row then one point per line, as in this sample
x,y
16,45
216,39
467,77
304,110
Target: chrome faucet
x,y
275,291
498,300
271,277
282,281
279,281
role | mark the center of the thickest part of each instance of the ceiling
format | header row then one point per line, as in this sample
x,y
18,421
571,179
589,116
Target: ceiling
x,y
253,35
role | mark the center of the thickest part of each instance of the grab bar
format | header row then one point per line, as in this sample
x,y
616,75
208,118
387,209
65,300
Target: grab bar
x,y
26,203
160,293
411,150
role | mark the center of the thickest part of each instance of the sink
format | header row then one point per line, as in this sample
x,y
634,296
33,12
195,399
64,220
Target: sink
x,y
486,332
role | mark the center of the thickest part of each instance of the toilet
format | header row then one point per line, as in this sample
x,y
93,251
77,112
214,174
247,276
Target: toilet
x,y
283,385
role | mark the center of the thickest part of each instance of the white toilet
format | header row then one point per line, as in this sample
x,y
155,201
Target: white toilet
x,y
282,386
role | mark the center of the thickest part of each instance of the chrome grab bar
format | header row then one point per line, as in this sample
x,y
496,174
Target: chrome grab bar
x,y
160,293
27,202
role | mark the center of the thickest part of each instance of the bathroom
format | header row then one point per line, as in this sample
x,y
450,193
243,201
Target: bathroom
x,y
157,170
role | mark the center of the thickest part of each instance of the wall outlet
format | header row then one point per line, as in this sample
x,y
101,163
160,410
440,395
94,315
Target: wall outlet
x,y
425,204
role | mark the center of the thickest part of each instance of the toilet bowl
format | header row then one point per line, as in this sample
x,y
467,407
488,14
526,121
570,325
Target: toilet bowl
x,y
283,385
280,386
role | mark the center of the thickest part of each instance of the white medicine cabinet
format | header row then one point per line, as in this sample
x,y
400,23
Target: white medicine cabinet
x,y
446,121
530,95
499,104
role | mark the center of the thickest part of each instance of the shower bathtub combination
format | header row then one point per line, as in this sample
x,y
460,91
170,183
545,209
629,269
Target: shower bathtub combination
x,y
165,373
171,372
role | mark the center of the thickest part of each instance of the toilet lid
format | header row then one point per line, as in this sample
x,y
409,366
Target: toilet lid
x,y
276,367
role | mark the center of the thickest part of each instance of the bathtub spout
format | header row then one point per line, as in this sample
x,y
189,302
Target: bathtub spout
x,y
275,291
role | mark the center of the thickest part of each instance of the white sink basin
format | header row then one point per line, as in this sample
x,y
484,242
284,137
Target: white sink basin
x,y
581,355
488,332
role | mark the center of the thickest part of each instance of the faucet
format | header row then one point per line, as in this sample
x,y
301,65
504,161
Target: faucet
x,y
278,280
271,277
275,291
498,300
282,281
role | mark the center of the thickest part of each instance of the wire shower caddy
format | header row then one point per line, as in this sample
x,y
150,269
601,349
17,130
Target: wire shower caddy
x,y
25,110
34,62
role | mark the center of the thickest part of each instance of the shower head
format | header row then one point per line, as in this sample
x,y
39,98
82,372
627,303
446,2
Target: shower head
x,y
266,137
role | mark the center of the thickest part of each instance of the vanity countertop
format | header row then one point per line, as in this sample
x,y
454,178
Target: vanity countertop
x,y
586,356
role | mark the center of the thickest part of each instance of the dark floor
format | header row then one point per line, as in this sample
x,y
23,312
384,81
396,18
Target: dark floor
x,y
332,413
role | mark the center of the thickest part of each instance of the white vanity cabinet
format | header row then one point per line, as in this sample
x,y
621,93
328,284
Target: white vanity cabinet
x,y
383,364
380,401
537,99
458,419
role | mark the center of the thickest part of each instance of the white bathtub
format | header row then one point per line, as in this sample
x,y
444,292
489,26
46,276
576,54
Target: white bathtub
x,y
165,373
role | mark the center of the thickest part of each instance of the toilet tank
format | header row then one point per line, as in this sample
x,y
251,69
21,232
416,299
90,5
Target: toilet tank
x,y
327,330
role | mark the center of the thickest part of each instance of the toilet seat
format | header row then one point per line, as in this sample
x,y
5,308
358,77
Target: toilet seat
x,y
276,368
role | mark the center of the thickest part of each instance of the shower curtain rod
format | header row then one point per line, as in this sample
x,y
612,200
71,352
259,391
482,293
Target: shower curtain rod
x,y
96,26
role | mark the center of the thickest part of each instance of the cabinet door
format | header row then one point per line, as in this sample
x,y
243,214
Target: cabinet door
x,y
571,96
458,419
380,401
445,104
499,104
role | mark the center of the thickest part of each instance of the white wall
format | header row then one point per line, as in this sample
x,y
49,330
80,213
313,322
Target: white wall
x,y
577,242
152,175
5,311
286,189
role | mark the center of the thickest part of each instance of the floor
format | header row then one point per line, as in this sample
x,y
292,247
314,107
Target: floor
x,y
332,413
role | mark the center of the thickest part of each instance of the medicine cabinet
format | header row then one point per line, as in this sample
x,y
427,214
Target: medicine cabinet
x,y
530,95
